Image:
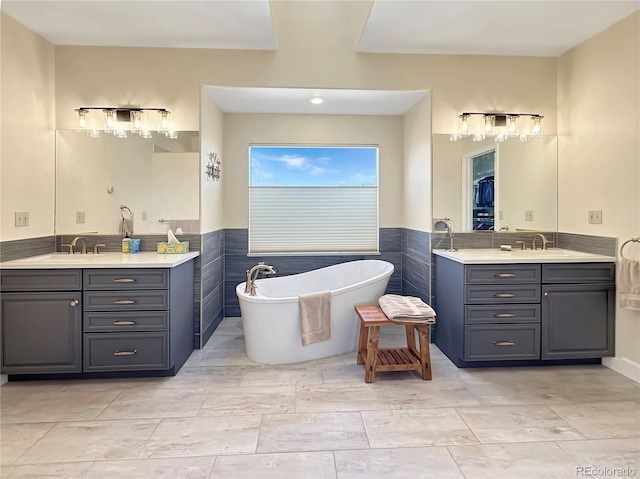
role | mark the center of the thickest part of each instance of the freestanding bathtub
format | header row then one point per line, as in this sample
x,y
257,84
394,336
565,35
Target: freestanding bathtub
x,y
271,319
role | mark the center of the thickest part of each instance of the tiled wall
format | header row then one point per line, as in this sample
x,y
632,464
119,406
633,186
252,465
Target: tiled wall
x,y
18,249
416,264
212,261
237,263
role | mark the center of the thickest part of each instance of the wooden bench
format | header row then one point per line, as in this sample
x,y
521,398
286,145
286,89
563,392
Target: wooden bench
x,y
390,359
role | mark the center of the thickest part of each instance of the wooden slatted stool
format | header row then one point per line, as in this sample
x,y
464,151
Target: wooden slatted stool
x,y
390,359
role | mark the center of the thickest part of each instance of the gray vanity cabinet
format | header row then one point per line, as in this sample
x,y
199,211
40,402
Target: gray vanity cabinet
x,y
41,321
578,311
514,312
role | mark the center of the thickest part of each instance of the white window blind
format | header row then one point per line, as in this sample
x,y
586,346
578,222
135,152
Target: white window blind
x,y
313,219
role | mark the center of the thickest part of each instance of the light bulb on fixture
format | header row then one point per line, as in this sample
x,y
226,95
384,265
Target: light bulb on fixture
x,y
82,120
536,129
136,121
500,126
164,121
316,100
463,127
109,121
512,125
489,122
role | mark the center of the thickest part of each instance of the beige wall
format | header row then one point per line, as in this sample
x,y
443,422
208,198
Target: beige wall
x,y
599,152
241,130
211,140
416,169
27,157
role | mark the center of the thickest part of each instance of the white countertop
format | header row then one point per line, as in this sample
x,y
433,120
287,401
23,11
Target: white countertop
x,y
496,256
102,260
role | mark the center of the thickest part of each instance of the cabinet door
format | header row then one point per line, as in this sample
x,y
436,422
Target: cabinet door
x,y
577,321
41,332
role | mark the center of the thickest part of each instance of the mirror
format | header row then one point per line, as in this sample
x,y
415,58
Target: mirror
x,y
489,186
156,178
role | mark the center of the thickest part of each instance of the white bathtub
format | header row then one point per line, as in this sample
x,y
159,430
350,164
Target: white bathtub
x,y
271,319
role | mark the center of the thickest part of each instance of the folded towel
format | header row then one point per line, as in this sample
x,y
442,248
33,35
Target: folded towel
x,y
126,226
315,317
406,309
629,283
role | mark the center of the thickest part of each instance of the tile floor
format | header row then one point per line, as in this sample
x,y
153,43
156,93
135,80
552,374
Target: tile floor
x,y
225,417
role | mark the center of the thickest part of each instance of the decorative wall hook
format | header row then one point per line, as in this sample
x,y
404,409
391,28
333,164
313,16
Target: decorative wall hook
x,y
213,166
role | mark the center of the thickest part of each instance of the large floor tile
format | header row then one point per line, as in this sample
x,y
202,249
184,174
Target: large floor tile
x,y
312,432
72,470
172,468
601,453
516,393
155,403
293,465
15,439
90,441
402,463
223,357
250,400
323,398
203,436
602,419
517,424
419,394
282,375
205,377
416,427
54,407
538,460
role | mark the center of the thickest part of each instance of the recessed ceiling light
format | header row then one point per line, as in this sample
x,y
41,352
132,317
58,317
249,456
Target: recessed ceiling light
x,y
316,100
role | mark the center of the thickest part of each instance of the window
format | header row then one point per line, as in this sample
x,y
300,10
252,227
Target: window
x,y
313,200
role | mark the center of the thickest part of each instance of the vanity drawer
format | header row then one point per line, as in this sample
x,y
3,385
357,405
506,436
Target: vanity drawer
x,y
502,342
41,280
129,321
578,273
126,300
517,293
501,273
125,351
513,313
125,279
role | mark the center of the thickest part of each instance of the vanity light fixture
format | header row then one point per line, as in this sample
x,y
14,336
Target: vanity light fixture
x,y
499,126
119,121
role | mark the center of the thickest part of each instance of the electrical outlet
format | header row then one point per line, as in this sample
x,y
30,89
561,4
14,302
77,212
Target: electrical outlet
x,y
501,214
528,215
144,216
79,216
595,217
21,218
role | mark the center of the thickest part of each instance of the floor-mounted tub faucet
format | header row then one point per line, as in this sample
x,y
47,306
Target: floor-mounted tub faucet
x,y
252,275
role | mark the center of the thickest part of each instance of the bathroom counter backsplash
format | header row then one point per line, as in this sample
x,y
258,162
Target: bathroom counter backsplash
x,y
102,260
496,256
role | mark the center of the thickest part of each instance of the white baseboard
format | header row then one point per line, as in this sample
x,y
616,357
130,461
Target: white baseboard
x,y
624,366
3,379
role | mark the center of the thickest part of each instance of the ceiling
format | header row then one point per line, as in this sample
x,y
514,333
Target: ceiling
x,y
514,27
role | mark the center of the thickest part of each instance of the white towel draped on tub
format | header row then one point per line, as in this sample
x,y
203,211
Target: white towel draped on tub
x,y
629,283
315,317
406,309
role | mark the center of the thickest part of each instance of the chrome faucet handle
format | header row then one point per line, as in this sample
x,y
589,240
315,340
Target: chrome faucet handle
x,y
68,246
522,245
96,248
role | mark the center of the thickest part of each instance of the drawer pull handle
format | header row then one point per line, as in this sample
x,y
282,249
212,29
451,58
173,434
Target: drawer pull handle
x,y
504,295
73,303
125,353
124,323
504,315
505,275
124,301
124,280
504,343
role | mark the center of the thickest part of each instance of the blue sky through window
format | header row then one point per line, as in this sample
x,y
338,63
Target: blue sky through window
x,y
313,166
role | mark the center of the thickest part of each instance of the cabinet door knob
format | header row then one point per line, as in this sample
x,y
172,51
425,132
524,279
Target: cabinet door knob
x,y
73,303
546,294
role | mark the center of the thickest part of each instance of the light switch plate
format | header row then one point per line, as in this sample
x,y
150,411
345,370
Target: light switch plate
x,y
528,215
21,218
79,216
595,217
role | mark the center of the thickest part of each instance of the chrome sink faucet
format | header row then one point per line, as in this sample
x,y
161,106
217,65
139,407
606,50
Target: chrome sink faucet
x,y
83,250
545,241
252,275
